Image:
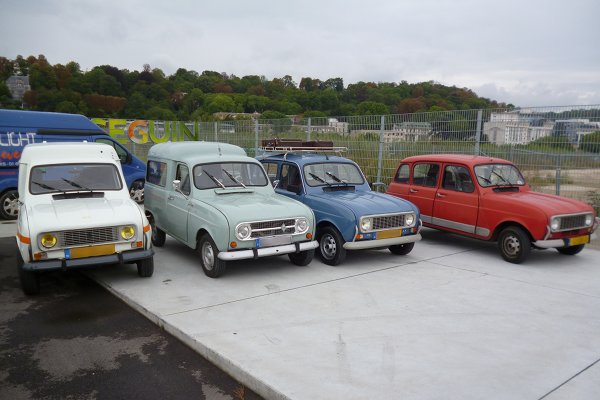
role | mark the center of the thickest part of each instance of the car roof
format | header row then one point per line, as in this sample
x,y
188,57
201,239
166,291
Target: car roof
x,y
199,152
466,159
306,158
46,122
67,152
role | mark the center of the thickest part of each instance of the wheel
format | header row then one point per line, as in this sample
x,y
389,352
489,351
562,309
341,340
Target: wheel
x,y
30,281
145,267
331,245
402,249
514,244
213,267
137,191
571,250
303,258
158,236
9,204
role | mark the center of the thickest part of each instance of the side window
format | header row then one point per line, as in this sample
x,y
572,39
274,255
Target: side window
x,y
271,169
183,175
121,152
156,173
403,175
426,174
457,178
290,178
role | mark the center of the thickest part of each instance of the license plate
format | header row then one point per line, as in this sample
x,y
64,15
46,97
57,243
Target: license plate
x,y
392,233
92,251
579,240
270,241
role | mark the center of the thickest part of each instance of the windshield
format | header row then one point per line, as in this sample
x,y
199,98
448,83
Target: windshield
x,y
225,175
498,175
332,174
74,178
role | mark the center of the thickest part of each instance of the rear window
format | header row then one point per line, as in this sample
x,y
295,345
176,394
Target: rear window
x,y
156,173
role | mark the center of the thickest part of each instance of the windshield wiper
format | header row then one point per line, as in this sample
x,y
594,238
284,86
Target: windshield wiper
x,y
46,186
215,180
335,178
77,185
318,178
501,177
233,178
485,179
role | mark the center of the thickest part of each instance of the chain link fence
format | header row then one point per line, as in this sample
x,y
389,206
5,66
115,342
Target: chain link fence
x,y
556,148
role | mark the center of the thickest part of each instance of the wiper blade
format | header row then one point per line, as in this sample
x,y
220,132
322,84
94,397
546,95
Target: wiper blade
x,y
233,178
318,178
215,180
335,178
77,185
500,176
46,186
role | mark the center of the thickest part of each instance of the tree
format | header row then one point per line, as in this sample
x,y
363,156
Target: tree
x,y
591,142
372,108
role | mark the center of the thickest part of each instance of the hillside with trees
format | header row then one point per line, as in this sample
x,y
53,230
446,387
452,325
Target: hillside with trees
x,y
107,91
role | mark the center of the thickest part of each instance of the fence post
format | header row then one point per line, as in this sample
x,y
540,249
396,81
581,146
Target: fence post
x,y
478,133
558,175
255,137
308,130
216,134
380,156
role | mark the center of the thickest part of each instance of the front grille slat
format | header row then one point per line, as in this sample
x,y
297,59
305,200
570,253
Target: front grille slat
x,y
272,228
572,222
82,237
388,222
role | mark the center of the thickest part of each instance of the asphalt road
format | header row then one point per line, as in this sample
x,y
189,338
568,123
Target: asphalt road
x,y
76,341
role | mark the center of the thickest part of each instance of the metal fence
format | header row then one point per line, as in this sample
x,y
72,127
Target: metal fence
x,y
556,148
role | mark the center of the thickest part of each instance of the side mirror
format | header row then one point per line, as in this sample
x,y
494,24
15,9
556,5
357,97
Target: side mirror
x,y
275,183
177,185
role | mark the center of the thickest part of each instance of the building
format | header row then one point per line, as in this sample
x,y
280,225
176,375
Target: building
x,y
408,131
516,128
574,129
18,85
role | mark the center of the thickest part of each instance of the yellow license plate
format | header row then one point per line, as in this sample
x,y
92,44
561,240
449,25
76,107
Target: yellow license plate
x,y
579,240
392,233
92,251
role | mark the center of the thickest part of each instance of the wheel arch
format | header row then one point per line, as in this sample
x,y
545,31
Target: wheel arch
x,y
506,224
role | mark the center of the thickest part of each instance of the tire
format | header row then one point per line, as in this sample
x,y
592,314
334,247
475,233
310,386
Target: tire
x,y
30,281
514,244
157,235
212,266
145,267
137,191
331,245
402,249
9,204
571,250
303,258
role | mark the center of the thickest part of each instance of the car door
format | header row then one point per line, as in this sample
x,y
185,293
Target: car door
x,y
178,204
456,202
423,187
290,181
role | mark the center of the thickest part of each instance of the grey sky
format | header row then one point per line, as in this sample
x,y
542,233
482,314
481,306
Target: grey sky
x,y
525,52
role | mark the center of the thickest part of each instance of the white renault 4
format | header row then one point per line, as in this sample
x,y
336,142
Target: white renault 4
x,y
75,211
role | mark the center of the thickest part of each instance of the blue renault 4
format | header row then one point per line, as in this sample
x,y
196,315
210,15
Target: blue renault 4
x,y
349,215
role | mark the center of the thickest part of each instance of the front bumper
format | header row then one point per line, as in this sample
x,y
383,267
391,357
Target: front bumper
x,y
372,244
267,251
125,257
554,243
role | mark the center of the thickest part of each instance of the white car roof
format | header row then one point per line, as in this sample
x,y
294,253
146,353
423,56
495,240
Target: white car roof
x,y
67,152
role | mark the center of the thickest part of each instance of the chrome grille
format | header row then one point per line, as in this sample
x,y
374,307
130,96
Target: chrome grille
x,y
388,222
572,222
81,237
273,228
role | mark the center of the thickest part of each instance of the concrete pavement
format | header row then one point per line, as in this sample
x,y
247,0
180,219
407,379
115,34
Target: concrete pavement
x,y
450,320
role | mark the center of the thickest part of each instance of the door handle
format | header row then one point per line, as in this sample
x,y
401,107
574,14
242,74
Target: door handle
x,y
440,195
170,198
413,190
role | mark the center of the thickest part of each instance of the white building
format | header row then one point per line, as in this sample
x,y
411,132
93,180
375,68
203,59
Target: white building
x,y
516,128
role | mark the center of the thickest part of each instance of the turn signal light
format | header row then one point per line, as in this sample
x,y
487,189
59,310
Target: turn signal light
x,y
309,235
233,245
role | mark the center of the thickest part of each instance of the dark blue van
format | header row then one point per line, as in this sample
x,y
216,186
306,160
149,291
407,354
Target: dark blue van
x,y
20,128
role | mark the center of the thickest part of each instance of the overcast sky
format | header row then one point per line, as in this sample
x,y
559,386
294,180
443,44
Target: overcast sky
x,y
524,52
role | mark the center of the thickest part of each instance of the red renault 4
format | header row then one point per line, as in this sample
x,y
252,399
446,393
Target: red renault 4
x,y
488,198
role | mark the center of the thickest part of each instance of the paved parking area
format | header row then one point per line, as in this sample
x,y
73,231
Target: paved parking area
x,y
450,320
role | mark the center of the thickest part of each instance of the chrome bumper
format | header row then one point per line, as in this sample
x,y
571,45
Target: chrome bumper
x,y
267,251
554,243
125,257
373,244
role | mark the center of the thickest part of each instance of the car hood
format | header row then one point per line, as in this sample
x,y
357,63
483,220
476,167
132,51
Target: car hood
x,y
255,206
548,203
366,203
58,215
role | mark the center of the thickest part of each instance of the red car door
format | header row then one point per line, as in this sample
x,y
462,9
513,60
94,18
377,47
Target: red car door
x,y
456,202
423,187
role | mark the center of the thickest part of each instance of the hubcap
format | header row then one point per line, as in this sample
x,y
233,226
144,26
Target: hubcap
x,y
511,245
137,193
208,256
11,205
328,246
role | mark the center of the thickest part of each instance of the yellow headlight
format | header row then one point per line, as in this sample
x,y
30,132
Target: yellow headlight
x,y
127,232
48,240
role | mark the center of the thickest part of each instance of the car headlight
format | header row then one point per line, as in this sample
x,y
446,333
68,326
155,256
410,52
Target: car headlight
x,y
555,223
409,219
366,224
127,232
589,220
48,240
243,231
301,225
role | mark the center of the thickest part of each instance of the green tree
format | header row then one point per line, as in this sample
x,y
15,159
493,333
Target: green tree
x,y
591,142
372,108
